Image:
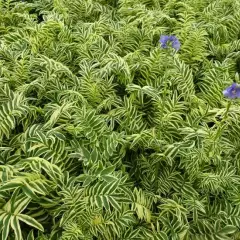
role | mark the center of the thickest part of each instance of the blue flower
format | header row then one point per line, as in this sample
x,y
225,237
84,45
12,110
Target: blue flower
x,y
233,91
175,42
164,39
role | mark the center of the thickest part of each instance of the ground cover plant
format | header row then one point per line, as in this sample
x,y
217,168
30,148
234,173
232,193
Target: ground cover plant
x,y
108,133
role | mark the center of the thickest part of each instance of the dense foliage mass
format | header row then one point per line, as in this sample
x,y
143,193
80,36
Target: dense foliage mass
x,y
104,134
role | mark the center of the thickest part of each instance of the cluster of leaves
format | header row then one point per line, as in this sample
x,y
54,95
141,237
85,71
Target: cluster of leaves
x,y
104,135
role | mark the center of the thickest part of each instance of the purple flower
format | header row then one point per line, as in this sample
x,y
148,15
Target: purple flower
x,y
164,39
175,42
233,91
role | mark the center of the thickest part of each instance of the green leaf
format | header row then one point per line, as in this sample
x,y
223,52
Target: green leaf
x,y
30,235
20,204
114,203
87,181
86,153
229,229
109,178
107,170
94,155
6,227
3,214
30,221
16,227
10,185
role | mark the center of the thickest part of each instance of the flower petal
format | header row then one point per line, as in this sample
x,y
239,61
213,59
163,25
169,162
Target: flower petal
x,y
176,44
173,38
164,45
232,92
227,93
237,92
233,86
164,39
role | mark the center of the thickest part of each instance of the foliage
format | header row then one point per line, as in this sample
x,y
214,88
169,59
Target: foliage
x,y
104,134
